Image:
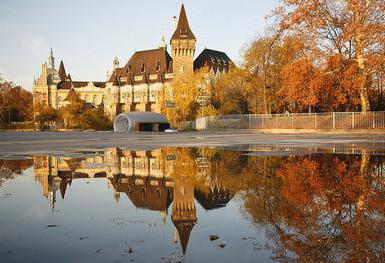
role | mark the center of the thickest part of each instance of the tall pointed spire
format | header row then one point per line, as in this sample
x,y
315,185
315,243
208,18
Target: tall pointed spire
x,y
183,45
51,60
162,43
62,71
183,30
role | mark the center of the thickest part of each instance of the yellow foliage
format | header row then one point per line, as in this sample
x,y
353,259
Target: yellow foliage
x,y
184,93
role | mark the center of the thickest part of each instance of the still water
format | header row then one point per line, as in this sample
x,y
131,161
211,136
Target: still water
x,y
192,205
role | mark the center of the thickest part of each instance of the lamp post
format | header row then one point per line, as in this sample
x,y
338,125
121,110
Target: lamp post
x,y
202,98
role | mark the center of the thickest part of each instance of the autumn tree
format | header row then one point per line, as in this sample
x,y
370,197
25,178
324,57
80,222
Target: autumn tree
x,y
233,92
181,99
259,61
15,103
46,116
351,28
10,169
78,114
266,58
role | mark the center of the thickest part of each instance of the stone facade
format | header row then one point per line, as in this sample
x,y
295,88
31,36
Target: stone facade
x,y
140,85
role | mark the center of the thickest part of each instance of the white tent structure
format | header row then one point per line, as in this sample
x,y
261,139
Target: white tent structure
x,y
140,121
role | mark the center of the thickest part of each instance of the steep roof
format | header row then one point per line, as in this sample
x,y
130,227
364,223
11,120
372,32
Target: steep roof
x,y
72,96
183,30
213,59
62,71
144,63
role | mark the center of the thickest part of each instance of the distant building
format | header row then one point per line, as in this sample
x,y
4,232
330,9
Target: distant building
x,y
139,84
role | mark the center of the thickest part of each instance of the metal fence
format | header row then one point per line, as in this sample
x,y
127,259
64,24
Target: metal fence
x,y
187,125
330,120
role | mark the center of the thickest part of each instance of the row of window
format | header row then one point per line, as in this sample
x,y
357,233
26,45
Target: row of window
x,y
143,67
140,95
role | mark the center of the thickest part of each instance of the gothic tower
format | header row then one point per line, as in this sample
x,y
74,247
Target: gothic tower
x,y
51,60
183,44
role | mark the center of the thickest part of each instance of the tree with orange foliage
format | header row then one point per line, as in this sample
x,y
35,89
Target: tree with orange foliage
x,y
353,29
266,59
15,103
300,84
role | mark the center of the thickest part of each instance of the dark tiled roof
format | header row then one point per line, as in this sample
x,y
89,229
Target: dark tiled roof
x,y
213,198
183,30
213,59
68,84
62,71
144,63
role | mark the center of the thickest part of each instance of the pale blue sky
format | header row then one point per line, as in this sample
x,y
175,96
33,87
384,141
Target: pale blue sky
x,y
87,34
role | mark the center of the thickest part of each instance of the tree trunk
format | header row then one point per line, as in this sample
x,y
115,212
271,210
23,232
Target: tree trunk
x,y
265,110
365,104
360,57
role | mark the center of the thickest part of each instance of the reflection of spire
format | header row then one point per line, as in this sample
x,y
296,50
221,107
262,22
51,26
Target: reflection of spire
x,y
117,196
52,199
183,209
63,186
176,235
184,230
163,215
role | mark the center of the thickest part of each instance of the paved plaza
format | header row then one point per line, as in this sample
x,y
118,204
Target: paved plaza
x,y
29,143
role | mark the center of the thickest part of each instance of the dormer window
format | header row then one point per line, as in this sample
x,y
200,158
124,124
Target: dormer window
x,y
183,33
142,68
158,66
129,67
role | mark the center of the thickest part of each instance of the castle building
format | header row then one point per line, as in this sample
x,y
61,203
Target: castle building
x,y
137,86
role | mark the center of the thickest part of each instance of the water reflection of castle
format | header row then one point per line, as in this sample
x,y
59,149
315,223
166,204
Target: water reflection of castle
x,y
152,179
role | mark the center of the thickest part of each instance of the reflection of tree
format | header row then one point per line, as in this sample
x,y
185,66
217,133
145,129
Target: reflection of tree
x,y
10,169
325,208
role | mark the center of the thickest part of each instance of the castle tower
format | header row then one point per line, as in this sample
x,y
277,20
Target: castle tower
x,y
51,60
183,43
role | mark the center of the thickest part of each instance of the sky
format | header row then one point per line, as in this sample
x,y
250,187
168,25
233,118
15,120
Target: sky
x,y
88,34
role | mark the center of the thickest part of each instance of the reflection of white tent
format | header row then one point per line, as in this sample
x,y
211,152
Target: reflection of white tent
x,y
140,121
